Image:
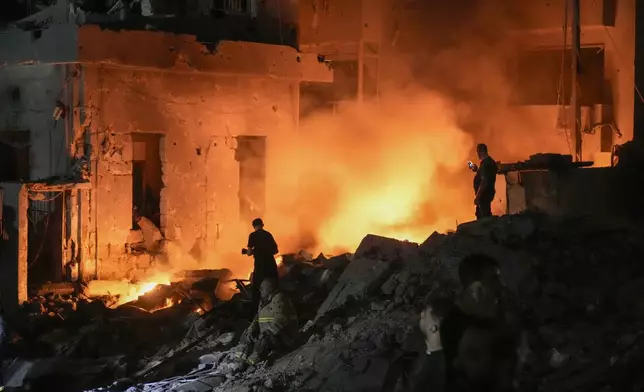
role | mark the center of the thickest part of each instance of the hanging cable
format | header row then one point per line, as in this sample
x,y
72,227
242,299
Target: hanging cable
x,y
561,105
619,57
279,21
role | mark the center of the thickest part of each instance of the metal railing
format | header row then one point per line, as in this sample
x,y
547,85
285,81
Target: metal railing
x,y
237,6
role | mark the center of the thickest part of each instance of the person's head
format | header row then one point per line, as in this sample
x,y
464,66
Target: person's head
x,y
268,287
482,287
431,319
481,151
258,224
479,267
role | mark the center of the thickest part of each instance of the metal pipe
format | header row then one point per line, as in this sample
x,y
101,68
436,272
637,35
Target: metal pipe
x,y
574,97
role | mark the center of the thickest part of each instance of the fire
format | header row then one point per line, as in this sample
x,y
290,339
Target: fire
x,y
126,291
396,169
138,289
168,303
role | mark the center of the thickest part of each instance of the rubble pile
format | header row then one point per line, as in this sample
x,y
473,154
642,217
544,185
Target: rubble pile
x,y
576,283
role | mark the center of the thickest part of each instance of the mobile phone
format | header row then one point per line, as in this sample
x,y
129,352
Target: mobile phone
x,y
470,165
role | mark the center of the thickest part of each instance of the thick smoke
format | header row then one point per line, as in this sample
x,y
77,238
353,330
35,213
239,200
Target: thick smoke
x,y
398,168
378,168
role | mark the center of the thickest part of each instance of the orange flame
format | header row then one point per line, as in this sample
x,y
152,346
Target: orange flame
x,y
124,290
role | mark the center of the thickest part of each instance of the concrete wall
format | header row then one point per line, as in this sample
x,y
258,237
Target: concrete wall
x,y
330,21
592,191
198,116
618,42
39,87
57,44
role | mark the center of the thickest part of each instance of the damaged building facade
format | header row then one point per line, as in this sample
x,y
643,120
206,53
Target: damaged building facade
x,y
372,42
118,125
176,127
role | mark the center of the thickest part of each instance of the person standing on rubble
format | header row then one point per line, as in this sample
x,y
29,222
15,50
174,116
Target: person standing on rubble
x,y
262,246
275,324
484,182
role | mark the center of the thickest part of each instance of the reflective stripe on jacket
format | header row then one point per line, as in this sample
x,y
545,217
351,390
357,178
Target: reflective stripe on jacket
x,y
276,315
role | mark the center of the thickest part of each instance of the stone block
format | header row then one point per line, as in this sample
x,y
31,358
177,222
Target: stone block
x,y
361,276
433,242
337,262
509,229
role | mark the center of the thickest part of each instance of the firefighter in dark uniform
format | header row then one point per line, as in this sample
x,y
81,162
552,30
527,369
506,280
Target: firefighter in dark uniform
x,y
484,182
262,246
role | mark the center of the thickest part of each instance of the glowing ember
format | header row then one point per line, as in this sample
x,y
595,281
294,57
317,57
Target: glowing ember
x,y
168,303
139,289
124,290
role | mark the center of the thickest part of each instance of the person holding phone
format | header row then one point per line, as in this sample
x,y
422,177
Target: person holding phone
x,y
484,182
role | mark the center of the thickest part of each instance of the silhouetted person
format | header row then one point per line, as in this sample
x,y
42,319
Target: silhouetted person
x,y
487,349
482,359
262,246
442,325
484,182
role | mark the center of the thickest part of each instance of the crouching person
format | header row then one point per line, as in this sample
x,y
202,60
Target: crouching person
x,y
274,326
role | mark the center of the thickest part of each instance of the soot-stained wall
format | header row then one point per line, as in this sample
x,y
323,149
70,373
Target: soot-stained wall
x,y
198,117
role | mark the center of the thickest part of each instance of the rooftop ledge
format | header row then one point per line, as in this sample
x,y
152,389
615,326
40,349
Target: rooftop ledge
x,y
154,50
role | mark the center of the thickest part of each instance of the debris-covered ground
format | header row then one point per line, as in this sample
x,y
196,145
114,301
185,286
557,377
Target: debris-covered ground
x,y
578,283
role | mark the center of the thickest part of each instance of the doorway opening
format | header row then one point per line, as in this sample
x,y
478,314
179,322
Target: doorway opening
x,y
251,155
45,238
147,178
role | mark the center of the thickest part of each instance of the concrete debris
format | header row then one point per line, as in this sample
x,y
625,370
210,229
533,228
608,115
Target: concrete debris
x,y
152,237
575,292
386,249
360,277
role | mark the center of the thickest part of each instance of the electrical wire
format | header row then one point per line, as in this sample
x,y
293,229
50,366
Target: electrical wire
x,y
619,57
560,85
279,20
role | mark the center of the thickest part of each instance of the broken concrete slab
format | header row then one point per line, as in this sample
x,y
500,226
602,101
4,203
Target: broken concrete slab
x,y
360,277
433,242
515,265
14,375
509,229
387,249
152,236
203,384
337,262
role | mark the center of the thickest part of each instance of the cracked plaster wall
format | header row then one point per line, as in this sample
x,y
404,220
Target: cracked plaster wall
x,y
199,116
30,110
39,87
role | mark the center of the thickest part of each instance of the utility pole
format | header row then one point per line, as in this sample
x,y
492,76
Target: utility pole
x,y
574,96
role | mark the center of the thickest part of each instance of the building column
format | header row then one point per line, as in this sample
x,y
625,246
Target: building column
x,y
23,242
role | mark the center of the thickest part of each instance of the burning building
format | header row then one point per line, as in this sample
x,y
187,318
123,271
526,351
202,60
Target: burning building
x,y
155,135
194,130
510,61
